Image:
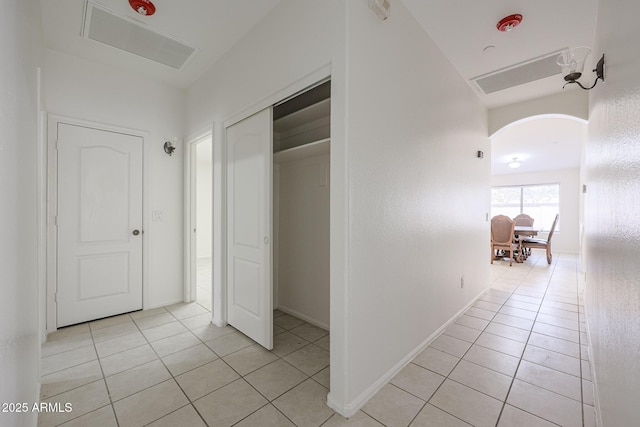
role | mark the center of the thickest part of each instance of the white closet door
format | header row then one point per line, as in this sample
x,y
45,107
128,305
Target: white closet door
x,y
99,224
249,223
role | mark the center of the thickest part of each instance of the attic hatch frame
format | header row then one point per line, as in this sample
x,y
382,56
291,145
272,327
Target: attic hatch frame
x,y
518,74
167,50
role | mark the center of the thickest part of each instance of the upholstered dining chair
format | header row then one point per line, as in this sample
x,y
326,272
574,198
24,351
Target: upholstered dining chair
x,y
502,237
524,219
541,243
527,221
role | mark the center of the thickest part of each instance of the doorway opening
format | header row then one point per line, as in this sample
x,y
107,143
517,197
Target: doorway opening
x,y
200,191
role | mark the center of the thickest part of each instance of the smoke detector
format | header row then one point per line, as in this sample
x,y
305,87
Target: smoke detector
x,y
143,7
508,23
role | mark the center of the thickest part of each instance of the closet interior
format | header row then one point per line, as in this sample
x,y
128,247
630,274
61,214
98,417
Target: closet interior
x,y
301,145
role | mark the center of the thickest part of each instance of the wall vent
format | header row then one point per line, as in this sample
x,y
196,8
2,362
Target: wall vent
x,y
529,71
105,27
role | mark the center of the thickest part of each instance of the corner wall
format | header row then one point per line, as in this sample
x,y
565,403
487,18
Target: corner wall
x,y
102,94
21,49
612,171
417,194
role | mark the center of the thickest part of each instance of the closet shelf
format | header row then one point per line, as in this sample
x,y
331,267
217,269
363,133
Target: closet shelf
x,y
316,148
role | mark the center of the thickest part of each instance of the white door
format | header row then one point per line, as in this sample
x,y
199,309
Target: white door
x,y
249,189
99,224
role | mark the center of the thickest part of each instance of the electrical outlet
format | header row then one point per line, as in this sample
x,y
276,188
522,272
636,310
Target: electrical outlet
x,y
461,282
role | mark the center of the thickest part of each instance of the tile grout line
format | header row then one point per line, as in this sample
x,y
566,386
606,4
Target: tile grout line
x,y
173,377
513,379
169,371
460,359
269,402
104,378
521,358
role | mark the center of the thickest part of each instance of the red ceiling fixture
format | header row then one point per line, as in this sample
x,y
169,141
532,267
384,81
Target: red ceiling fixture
x,y
509,23
143,7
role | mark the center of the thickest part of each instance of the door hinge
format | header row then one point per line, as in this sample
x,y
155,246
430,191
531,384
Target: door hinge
x,y
55,297
55,220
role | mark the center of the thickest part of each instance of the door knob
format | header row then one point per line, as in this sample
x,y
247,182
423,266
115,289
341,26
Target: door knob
x,y
136,232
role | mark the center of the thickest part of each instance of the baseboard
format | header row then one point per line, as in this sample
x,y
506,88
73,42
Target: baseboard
x,y
349,409
37,400
304,317
596,399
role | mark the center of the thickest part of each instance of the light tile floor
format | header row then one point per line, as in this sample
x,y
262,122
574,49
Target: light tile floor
x,y
204,282
518,357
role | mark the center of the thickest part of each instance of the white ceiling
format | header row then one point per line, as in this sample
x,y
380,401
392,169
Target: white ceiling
x,y
544,143
211,26
461,29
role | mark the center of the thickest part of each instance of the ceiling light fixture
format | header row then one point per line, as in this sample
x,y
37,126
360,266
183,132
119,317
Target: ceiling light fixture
x,y
508,23
143,7
572,63
514,164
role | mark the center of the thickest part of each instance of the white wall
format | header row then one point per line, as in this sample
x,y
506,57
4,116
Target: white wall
x,y
303,256
95,92
417,193
296,40
571,102
204,197
414,188
567,239
612,169
21,50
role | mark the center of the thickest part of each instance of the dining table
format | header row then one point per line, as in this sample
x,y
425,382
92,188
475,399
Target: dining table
x,y
524,230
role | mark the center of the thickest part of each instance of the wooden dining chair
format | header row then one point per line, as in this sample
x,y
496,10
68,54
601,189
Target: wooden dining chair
x,y
523,219
528,244
502,237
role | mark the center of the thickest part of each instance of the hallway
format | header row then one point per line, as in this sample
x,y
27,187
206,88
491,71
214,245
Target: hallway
x,y
518,357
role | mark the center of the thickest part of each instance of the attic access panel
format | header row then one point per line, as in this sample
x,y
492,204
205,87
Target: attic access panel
x,y
519,74
105,27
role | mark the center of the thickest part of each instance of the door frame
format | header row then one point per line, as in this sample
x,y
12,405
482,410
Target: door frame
x,y
220,276
190,211
52,208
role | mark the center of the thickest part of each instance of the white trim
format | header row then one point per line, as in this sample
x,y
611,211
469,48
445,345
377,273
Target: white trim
x,y
41,209
307,81
52,207
42,223
582,282
349,409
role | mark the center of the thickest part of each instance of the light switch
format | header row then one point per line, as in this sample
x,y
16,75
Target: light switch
x,y
156,216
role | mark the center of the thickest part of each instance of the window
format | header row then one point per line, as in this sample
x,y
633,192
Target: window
x,y
541,201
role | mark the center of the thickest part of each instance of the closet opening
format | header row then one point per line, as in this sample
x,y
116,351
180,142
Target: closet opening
x,y
276,223
301,202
